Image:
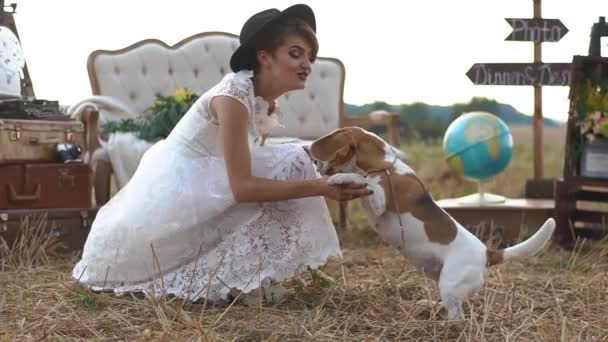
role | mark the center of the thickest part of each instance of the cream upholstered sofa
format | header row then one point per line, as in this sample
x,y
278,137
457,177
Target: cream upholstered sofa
x,y
137,74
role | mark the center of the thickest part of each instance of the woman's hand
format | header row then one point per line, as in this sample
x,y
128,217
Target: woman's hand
x,y
343,192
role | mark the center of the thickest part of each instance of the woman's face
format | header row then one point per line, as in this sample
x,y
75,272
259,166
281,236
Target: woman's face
x,y
290,64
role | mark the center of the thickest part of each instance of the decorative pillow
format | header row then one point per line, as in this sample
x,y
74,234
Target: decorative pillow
x,y
11,64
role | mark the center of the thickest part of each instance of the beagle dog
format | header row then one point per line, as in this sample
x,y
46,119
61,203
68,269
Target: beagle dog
x,y
405,215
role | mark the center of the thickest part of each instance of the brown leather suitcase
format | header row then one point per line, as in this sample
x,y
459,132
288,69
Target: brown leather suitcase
x,y
68,227
28,185
36,139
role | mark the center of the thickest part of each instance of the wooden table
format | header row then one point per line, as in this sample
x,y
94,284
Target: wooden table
x,y
504,223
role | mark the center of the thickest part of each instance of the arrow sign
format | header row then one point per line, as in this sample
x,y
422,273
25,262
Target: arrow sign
x,y
536,30
532,74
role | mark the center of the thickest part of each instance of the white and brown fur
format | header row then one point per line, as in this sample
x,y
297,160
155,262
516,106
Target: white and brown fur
x,y
405,215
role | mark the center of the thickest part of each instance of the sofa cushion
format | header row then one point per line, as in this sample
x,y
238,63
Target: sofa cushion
x,y
136,75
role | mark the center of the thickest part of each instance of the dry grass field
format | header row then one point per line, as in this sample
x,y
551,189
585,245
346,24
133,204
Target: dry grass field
x,y
372,294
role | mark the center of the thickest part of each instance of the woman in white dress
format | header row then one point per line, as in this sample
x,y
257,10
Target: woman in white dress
x,y
207,211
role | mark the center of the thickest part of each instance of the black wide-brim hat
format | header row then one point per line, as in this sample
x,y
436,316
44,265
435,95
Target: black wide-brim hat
x,y
245,55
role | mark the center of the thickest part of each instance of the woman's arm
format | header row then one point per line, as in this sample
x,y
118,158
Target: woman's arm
x,y
233,120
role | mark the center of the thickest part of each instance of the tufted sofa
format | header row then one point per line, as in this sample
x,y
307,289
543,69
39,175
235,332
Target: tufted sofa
x,y
137,74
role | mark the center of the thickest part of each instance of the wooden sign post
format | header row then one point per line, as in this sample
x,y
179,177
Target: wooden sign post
x,y
536,30
532,74
538,108
537,74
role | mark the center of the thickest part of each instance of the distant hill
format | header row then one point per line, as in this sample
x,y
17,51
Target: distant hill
x,y
505,111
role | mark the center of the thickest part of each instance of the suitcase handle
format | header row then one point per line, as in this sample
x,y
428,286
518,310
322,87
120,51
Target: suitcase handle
x,y
23,198
50,141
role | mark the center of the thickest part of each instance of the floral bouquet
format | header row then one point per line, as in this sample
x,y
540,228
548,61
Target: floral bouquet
x,y
158,120
591,109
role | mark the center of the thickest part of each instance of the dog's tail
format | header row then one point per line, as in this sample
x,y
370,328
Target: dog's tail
x,y
526,248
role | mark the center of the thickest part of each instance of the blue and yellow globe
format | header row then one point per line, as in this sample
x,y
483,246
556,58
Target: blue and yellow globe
x,y
479,145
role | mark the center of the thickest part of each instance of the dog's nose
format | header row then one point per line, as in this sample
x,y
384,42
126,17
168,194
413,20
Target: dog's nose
x,y
330,171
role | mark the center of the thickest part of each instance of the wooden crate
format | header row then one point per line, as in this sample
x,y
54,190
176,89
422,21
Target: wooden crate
x,y
581,209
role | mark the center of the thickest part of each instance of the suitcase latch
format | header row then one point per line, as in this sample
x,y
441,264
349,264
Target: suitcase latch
x,y
84,215
4,219
15,134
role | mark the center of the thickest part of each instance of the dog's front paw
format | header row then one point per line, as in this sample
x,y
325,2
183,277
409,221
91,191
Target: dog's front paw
x,y
347,178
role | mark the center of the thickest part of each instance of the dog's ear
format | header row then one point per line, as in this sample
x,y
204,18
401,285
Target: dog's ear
x,y
317,150
344,154
333,146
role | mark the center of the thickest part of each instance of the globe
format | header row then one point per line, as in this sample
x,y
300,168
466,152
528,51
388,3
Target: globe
x,y
478,145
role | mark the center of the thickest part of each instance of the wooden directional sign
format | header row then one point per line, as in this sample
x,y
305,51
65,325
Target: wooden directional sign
x,y
532,74
536,30
537,74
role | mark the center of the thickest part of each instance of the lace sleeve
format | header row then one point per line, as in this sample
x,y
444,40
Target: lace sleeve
x,y
239,87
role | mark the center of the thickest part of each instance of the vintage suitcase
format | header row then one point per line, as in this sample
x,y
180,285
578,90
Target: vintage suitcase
x,y
68,228
45,185
36,139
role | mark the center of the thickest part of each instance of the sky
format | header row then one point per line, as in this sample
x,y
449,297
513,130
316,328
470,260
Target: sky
x,y
396,51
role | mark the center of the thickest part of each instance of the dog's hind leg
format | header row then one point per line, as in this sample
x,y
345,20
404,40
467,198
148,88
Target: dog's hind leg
x,y
455,284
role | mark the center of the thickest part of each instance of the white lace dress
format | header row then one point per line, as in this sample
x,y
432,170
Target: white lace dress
x,y
175,227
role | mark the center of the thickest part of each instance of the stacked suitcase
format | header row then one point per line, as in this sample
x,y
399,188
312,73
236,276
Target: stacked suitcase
x,y
41,171
42,176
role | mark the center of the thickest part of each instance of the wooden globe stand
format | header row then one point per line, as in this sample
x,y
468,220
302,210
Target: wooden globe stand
x,y
481,197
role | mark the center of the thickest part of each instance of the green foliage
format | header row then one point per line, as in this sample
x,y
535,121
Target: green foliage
x,y
87,299
160,118
380,105
476,104
125,125
420,121
320,279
